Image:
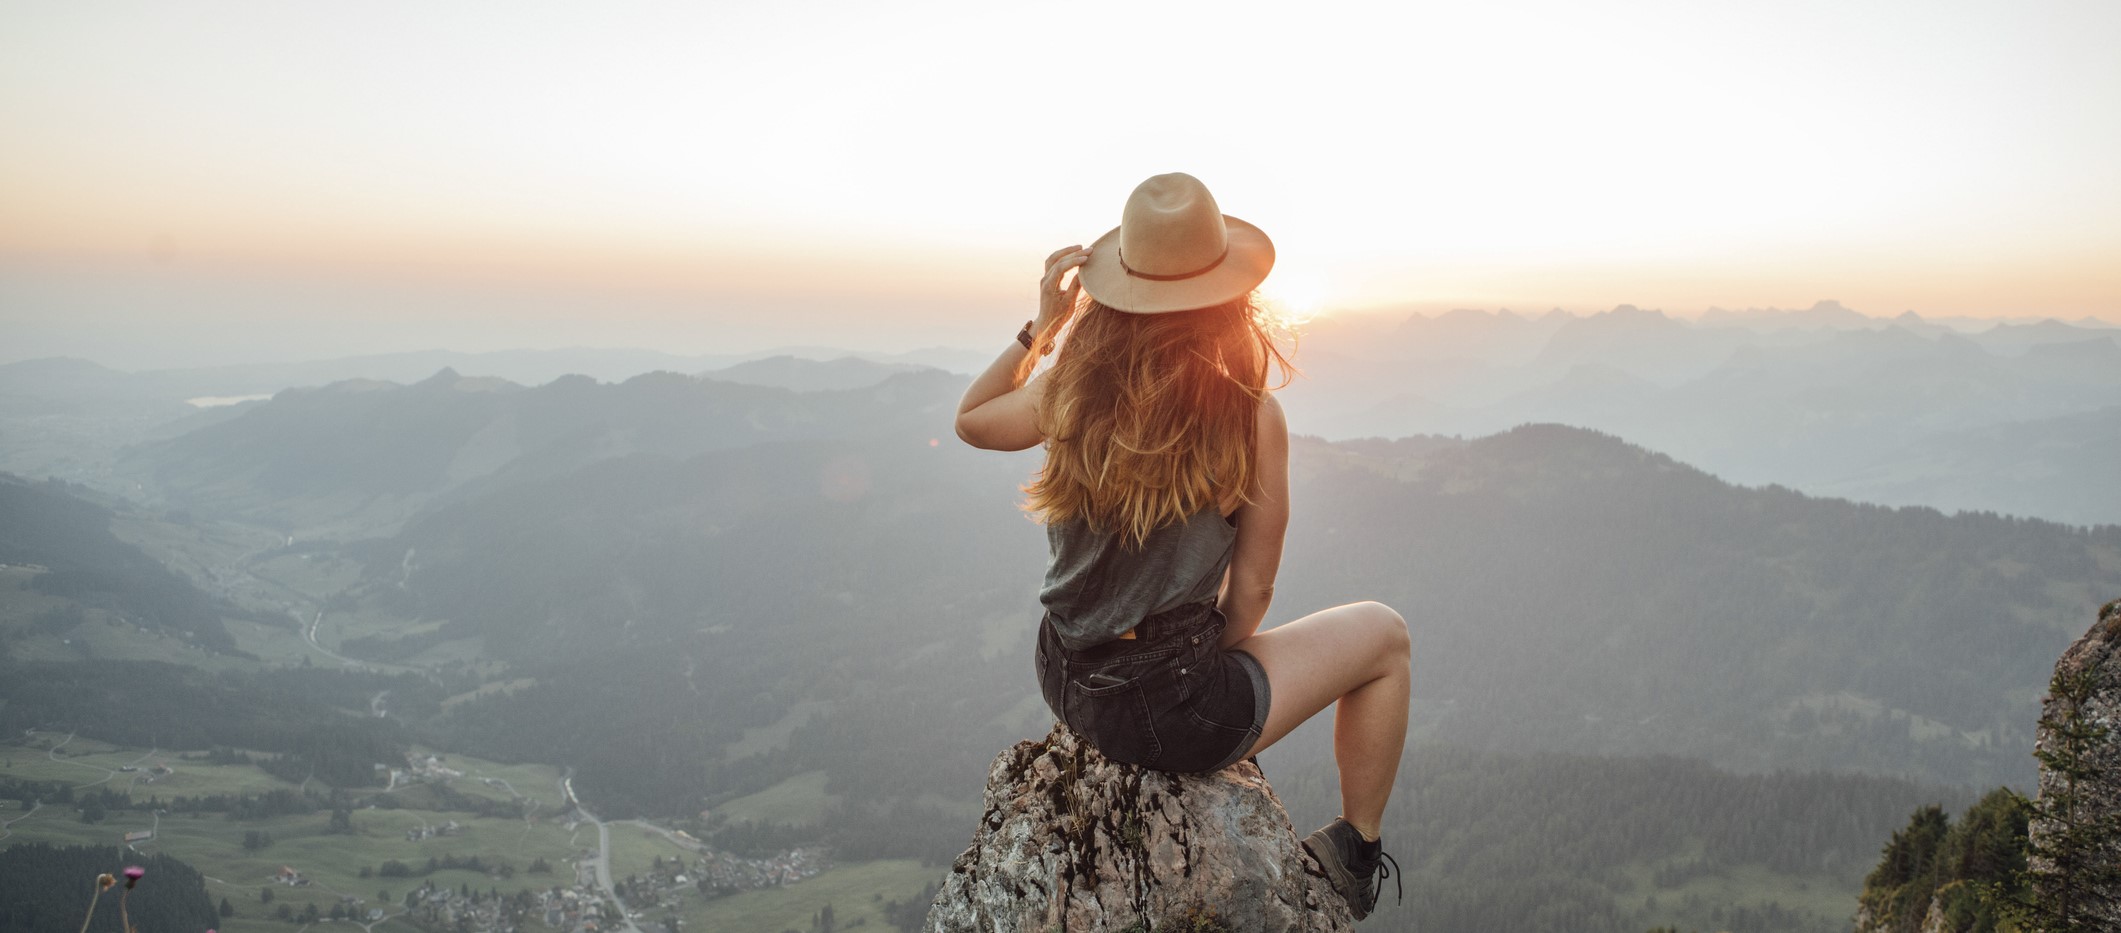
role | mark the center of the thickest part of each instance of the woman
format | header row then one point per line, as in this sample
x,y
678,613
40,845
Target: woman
x,y
1165,497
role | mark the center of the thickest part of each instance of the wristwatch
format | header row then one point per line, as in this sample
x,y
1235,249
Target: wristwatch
x,y
1024,337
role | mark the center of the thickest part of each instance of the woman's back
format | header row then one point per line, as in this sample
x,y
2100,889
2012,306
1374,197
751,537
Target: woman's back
x,y
1098,588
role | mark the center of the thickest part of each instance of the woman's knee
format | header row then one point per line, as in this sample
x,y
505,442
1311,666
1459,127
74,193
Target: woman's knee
x,y
1391,628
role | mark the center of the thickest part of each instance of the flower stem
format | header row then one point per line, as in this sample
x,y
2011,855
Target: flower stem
x,y
93,898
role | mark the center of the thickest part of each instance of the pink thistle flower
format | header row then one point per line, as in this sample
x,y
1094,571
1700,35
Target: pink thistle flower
x,y
133,874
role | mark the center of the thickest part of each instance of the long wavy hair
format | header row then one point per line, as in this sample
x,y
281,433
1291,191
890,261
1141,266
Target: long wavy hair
x,y
1148,417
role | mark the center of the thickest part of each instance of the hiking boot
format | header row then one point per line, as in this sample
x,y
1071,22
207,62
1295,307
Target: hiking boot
x,y
1354,867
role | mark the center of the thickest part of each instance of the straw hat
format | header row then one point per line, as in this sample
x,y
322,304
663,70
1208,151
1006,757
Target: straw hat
x,y
1175,250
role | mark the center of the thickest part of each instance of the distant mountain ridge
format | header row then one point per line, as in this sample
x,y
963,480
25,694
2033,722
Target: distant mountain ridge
x,y
362,456
804,375
54,376
1822,398
1825,400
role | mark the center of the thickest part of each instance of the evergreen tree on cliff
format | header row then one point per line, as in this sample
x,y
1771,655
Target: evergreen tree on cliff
x,y
2068,861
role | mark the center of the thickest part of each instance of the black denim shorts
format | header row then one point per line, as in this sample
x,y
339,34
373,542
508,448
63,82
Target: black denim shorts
x,y
1169,699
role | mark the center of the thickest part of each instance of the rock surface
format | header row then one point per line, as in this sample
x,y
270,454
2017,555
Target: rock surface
x,y
1069,841
2098,797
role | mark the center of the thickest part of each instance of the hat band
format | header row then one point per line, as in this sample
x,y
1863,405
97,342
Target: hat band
x,y
1204,270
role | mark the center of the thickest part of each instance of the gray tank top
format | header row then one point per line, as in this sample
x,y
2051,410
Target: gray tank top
x,y
1097,589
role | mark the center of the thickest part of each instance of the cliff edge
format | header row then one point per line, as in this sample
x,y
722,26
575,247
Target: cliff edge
x,y
1070,841
2076,827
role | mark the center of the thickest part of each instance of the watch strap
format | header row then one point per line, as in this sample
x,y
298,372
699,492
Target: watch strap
x,y
1031,343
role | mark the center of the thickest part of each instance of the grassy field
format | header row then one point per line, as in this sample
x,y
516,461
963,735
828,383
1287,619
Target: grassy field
x,y
83,761
800,800
537,782
856,893
214,845
498,686
337,628
275,644
100,634
334,862
195,548
246,565
769,737
634,849
1831,900
316,576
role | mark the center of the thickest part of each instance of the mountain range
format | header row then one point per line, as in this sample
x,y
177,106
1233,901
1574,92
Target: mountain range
x,y
1822,399
694,591
672,523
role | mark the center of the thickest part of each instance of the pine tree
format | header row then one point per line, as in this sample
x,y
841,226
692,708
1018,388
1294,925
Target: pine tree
x,y
2066,860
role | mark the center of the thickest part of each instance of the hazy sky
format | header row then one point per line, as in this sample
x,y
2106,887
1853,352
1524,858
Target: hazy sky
x,y
205,181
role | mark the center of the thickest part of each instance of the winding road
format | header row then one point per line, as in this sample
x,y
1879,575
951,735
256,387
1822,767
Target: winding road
x,y
108,773
310,635
602,862
35,805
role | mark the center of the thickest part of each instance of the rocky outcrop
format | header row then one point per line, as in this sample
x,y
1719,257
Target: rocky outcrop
x,y
1070,841
2076,828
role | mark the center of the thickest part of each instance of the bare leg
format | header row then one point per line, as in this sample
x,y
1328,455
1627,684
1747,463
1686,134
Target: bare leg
x,y
1357,655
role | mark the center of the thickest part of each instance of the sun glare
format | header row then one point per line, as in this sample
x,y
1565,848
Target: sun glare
x,y
1293,297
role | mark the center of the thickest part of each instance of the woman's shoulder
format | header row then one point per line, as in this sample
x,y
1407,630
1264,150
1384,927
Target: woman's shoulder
x,y
1272,424
1269,405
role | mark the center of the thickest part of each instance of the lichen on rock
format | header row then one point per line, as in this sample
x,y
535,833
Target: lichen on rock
x,y
1070,841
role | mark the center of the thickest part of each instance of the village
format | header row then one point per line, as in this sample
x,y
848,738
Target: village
x,y
577,907
580,906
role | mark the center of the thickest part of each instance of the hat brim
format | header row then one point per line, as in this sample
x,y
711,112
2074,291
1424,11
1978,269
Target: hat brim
x,y
1250,258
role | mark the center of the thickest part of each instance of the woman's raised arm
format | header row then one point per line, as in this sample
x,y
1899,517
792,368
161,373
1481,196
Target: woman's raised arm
x,y
1000,410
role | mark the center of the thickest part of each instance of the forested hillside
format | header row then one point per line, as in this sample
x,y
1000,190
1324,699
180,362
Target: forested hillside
x,y
317,719
44,525
1548,569
1549,843
49,887
809,616
1568,592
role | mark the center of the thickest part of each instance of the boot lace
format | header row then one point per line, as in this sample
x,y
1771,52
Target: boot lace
x,y
1399,894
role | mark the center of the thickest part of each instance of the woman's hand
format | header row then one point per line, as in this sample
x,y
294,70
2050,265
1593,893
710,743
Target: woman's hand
x,y
1056,302
999,410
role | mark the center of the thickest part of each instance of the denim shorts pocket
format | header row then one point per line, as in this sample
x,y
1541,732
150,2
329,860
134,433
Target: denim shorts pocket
x,y
1109,705
1116,721
1214,702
